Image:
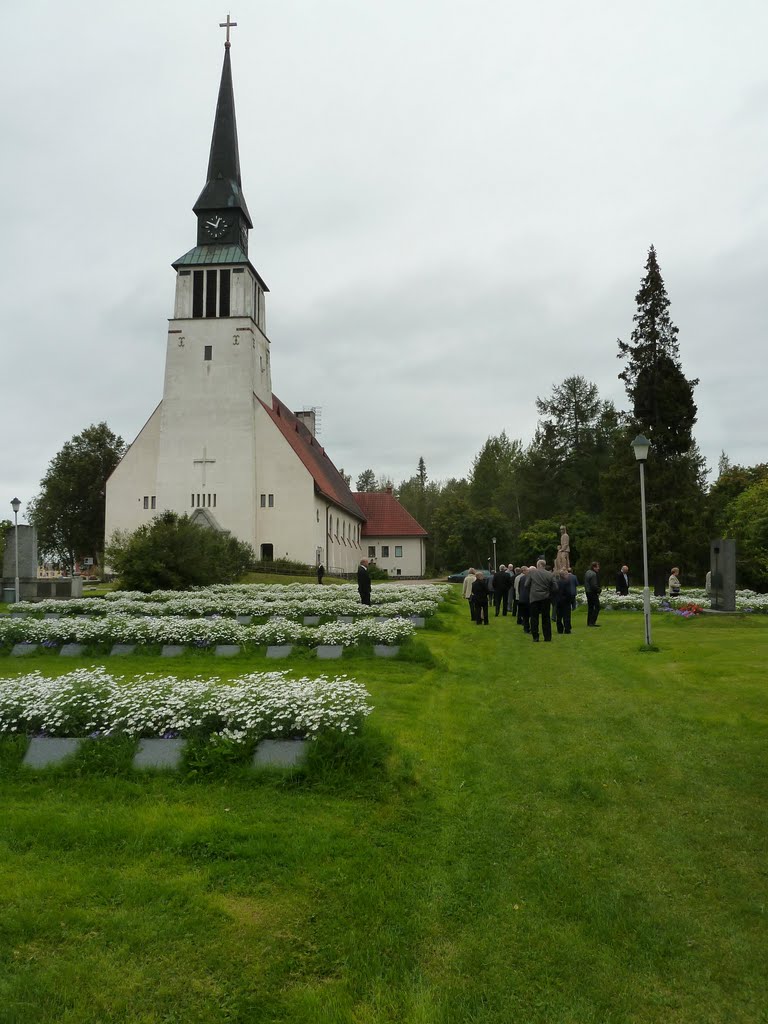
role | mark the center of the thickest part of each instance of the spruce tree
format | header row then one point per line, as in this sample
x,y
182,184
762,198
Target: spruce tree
x,y
663,407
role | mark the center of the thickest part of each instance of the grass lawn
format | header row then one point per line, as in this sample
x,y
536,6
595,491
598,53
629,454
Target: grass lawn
x,y
571,833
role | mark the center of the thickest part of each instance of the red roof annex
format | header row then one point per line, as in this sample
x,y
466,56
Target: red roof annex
x,y
386,517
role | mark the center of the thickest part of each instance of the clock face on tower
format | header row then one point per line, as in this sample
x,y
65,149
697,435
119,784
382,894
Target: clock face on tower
x,y
216,226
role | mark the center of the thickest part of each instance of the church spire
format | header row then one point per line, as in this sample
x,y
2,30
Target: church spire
x,y
222,191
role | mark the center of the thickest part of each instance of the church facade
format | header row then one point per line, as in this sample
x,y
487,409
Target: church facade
x,y
221,446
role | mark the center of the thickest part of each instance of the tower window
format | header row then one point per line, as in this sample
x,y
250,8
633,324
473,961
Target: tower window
x,y
210,292
208,352
146,501
263,501
224,292
153,501
197,293
271,501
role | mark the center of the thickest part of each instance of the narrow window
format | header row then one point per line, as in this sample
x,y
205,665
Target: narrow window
x,y
214,501
263,501
224,293
208,353
153,501
197,293
372,551
198,501
210,292
385,550
146,501
209,501
398,551
317,513
192,501
271,501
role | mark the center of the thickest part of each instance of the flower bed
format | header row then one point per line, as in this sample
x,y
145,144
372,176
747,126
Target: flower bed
x,y
117,628
291,601
256,706
746,601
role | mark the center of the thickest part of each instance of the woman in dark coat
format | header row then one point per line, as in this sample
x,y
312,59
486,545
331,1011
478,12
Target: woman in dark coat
x,y
480,599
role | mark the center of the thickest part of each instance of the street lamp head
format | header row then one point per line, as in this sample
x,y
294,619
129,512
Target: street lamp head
x,y
15,505
640,446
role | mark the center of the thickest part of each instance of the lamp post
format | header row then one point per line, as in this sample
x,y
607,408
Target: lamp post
x,y
16,505
640,447
494,553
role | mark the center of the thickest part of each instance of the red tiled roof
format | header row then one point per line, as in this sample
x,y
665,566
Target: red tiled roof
x,y
328,480
386,517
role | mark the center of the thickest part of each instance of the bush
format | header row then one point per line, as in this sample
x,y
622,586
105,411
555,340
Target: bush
x,y
173,553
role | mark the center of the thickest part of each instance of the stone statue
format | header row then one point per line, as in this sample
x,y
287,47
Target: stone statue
x,y
563,559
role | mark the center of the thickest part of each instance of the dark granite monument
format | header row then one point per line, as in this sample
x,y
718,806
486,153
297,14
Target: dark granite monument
x,y
722,565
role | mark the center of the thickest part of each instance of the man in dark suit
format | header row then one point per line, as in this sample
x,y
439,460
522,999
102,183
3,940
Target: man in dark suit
x,y
622,580
364,581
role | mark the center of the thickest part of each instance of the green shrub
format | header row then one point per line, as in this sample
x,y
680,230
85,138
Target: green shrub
x,y
173,553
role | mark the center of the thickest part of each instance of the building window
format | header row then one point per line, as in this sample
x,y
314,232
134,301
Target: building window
x,y
271,500
372,551
399,572
263,501
192,501
214,500
208,352
197,293
146,501
211,293
317,513
398,551
385,550
153,502
198,501
224,293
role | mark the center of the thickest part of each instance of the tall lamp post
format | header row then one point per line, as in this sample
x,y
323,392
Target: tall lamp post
x,y
494,553
16,505
640,447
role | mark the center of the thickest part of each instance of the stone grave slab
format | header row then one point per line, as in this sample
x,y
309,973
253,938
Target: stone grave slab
x,y
172,650
52,615
19,650
418,621
71,650
385,650
157,753
245,620
123,648
328,652
311,620
19,615
279,650
280,753
226,650
47,750
345,618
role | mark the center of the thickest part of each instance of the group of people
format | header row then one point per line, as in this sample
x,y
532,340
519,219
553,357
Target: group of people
x,y
535,595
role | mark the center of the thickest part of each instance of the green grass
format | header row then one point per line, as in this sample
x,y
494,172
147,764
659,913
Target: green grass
x,y
571,832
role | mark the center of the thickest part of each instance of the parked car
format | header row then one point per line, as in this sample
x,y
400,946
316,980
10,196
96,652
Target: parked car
x,y
458,577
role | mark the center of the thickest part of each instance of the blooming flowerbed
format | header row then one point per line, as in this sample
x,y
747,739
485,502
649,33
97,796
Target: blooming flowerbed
x,y
121,628
93,702
291,601
746,601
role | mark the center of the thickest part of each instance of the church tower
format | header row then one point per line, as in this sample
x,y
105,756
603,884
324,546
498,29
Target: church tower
x,y
220,446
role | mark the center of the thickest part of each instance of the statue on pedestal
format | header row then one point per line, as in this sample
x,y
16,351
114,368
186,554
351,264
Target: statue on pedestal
x,y
563,558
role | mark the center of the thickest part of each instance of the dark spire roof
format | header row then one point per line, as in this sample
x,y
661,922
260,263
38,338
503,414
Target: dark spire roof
x,y
223,188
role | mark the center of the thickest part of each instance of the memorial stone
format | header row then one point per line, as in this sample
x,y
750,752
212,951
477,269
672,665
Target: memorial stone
x,y
722,564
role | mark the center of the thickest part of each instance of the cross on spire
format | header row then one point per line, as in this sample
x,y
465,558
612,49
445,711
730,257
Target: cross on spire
x,y
227,25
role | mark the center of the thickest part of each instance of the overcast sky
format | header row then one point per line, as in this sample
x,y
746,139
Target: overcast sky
x,y
452,201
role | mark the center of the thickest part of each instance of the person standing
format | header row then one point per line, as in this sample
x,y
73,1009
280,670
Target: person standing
x,y
523,602
542,588
480,599
622,581
592,589
320,573
501,584
674,583
563,602
466,591
364,581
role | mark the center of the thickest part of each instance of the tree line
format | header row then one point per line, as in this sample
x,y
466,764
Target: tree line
x,y
579,469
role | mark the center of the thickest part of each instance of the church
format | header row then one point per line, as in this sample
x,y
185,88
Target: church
x,y
221,446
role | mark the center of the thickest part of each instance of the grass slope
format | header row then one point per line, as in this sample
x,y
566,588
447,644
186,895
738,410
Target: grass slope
x,y
566,832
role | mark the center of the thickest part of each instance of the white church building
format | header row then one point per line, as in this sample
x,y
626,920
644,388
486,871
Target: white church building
x,y
221,446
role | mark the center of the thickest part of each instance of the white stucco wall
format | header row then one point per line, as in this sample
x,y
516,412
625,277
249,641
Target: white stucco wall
x,y
133,479
412,561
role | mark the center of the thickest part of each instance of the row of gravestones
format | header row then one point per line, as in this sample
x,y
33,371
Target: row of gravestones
x,y
326,652
242,620
49,751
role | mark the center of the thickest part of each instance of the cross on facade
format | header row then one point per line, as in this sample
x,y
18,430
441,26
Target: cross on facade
x,y
205,461
227,25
